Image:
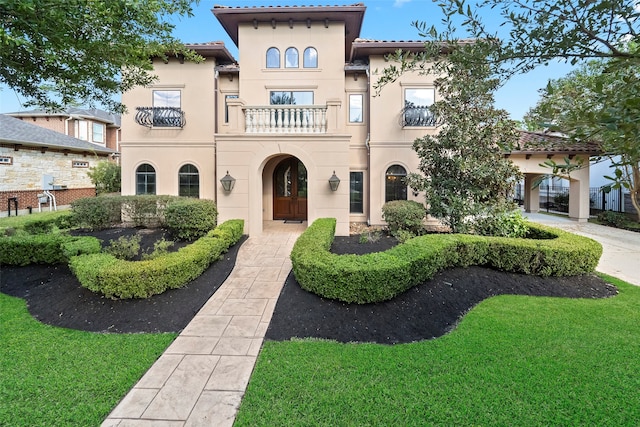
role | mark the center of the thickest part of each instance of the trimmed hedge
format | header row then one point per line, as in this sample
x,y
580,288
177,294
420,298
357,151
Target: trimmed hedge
x,y
44,248
140,279
381,276
189,218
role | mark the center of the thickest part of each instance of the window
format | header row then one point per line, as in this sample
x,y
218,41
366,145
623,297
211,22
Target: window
x,y
6,160
79,164
83,130
145,179
273,57
166,108
98,133
395,185
355,108
189,181
226,106
356,192
291,58
310,58
291,98
416,107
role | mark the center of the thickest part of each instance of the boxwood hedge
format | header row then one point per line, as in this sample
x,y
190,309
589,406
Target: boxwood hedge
x,y
53,248
140,279
381,276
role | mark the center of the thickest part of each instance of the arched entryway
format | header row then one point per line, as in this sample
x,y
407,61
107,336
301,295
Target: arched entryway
x,y
290,190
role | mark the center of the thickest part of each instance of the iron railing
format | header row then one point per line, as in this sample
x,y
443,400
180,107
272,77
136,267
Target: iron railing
x,y
418,116
160,117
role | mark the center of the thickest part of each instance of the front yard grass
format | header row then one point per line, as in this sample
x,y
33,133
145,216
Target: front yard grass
x,y
52,376
513,360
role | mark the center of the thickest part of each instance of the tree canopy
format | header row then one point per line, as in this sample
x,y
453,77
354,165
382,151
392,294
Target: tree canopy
x,y
58,53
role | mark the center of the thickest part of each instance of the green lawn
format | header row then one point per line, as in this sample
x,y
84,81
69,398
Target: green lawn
x,y
52,376
513,360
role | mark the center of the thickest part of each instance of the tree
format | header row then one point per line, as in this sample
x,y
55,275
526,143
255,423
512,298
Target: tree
x,y
106,176
88,52
463,170
600,102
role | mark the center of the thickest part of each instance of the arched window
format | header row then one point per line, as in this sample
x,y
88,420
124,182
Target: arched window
x,y
145,179
395,183
291,58
189,181
273,57
310,58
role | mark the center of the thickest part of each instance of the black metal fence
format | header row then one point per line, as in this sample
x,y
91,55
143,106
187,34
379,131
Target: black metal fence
x,y
554,197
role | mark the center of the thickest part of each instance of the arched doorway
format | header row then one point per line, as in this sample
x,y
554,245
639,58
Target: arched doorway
x,y
290,190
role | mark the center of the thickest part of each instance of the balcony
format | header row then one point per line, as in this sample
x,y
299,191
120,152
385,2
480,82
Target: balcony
x,y
286,119
167,117
418,116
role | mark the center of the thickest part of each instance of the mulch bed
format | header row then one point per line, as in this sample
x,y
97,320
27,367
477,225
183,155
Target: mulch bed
x,y
55,297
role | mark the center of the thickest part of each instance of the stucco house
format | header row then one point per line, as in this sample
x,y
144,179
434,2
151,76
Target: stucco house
x,y
34,159
294,124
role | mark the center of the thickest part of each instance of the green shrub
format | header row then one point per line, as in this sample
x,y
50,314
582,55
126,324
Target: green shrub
x,y
503,224
380,276
54,248
65,222
403,235
406,215
116,278
561,202
188,218
370,236
614,219
124,247
80,246
39,226
146,210
160,248
106,177
97,212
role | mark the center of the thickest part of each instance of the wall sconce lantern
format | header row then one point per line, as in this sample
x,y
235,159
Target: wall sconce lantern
x,y
228,182
334,181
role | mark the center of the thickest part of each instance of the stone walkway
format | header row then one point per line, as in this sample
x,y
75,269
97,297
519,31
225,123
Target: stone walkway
x,y
201,378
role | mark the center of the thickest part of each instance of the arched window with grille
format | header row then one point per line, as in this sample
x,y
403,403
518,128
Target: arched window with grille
x,y
189,181
273,57
310,58
395,183
145,179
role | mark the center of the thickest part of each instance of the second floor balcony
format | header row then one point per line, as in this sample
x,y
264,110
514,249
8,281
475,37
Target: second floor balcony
x,y
171,117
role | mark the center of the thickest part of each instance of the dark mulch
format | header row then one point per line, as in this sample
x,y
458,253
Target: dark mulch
x,y
55,297
426,311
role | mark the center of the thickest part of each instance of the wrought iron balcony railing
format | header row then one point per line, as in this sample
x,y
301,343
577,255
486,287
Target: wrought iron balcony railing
x,y
160,117
418,116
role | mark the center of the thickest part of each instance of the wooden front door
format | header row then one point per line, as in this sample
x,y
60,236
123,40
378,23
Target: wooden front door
x,y
290,190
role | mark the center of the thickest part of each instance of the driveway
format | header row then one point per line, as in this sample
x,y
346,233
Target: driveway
x,y
620,248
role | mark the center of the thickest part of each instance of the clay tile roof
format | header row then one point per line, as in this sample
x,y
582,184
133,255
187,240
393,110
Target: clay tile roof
x,y
547,143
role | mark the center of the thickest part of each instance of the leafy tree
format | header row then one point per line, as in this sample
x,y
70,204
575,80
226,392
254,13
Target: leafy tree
x,y
463,170
599,101
106,177
57,53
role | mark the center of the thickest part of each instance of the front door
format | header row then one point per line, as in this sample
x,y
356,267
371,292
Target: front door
x,y
290,190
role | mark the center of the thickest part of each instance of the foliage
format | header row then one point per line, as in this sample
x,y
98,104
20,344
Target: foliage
x,y
66,221
61,377
85,51
189,218
124,247
52,248
501,224
39,226
512,360
106,177
561,201
146,210
116,278
18,222
407,215
161,247
615,219
370,236
381,276
97,212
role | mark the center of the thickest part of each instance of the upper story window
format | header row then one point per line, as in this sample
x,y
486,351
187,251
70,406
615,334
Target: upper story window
x,y
416,110
98,133
291,98
226,106
355,108
83,130
291,58
310,58
273,57
166,108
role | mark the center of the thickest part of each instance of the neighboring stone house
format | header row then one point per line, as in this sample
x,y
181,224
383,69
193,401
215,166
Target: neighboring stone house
x,y
33,159
294,116
88,124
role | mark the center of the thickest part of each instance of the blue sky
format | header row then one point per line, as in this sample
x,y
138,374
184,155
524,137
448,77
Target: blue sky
x,y
383,20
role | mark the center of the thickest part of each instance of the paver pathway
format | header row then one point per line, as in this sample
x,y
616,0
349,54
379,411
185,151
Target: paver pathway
x,y
201,378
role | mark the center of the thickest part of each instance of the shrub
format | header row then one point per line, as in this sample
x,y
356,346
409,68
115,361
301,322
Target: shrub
x,y
116,278
614,219
160,248
124,247
146,211
65,222
403,235
503,224
406,215
97,212
561,202
54,248
80,246
188,218
380,276
106,177
370,236
39,226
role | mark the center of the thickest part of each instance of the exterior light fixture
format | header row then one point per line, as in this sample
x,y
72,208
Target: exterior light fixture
x,y
334,181
228,182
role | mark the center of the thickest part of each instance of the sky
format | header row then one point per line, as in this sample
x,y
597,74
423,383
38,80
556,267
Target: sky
x,y
383,20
